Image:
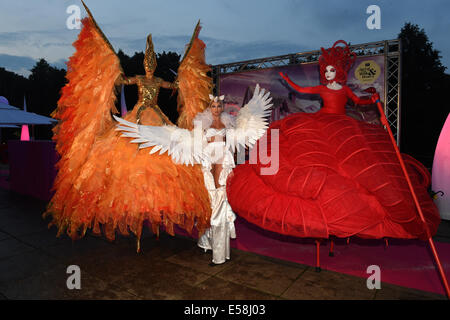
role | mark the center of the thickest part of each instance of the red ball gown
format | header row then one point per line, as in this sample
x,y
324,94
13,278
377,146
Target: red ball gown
x,y
337,176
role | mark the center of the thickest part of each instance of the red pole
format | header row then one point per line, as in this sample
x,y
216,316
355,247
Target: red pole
x,y
318,269
416,202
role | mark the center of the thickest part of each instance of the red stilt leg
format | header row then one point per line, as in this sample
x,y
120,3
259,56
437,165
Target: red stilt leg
x,y
385,122
331,253
318,269
386,242
348,240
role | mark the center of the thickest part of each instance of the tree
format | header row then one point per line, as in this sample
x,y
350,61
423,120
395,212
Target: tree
x,y
46,83
424,84
41,90
13,87
167,99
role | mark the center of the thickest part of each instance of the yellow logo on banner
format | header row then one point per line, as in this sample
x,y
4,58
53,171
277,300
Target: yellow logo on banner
x,y
367,72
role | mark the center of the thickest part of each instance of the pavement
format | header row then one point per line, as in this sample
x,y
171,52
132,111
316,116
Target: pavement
x,y
34,265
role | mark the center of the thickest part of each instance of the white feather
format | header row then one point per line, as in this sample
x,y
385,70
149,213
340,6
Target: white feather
x,y
251,122
177,142
244,130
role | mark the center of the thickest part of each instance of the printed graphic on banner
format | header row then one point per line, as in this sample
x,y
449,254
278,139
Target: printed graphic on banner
x,y
367,72
238,88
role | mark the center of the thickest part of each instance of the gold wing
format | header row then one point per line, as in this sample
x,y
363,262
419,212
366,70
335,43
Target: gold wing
x,y
85,105
194,84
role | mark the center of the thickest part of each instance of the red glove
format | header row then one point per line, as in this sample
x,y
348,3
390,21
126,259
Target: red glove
x,y
375,97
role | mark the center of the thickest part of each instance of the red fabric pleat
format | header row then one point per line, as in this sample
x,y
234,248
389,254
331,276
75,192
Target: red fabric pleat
x,y
337,176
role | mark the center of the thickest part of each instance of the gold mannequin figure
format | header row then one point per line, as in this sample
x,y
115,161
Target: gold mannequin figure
x,y
148,90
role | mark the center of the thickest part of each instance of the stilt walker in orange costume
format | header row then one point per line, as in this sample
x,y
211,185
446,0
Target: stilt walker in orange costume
x,y
103,181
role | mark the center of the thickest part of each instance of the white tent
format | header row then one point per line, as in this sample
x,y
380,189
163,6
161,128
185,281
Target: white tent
x,y
10,115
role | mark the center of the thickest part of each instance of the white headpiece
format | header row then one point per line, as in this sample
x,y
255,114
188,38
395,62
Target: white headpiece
x,y
216,98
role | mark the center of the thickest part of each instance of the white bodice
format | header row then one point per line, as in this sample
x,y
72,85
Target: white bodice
x,y
213,132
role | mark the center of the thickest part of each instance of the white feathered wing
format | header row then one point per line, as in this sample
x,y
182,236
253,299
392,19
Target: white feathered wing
x,y
251,122
184,146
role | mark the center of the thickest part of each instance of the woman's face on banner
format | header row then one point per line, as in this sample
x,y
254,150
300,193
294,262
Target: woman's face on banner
x,y
330,73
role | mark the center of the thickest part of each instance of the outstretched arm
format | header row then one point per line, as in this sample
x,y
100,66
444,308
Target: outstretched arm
x,y
121,79
170,85
357,100
312,90
128,80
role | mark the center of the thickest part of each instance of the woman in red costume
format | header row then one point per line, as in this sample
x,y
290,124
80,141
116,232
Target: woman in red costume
x,y
337,175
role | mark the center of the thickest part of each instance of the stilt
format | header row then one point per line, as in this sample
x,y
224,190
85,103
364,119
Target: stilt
x,y
331,253
386,242
385,122
348,240
318,269
156,231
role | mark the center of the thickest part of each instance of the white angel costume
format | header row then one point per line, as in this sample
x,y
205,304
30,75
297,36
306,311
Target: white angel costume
x,y
192,147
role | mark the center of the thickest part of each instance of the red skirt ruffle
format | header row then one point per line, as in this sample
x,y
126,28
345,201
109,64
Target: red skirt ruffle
x,y
337,176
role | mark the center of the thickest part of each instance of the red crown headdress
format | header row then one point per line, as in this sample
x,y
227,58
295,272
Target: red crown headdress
x,y
341,58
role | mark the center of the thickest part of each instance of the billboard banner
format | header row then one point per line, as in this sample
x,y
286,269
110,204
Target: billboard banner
x,y
238,88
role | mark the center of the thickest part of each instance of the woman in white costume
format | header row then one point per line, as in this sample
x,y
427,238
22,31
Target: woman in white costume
x,y
212,144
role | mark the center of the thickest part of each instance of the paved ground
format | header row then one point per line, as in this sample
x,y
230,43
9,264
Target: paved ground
x,y
33,265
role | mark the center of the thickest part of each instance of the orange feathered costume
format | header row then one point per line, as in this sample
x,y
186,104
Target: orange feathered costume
x,y
103,180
